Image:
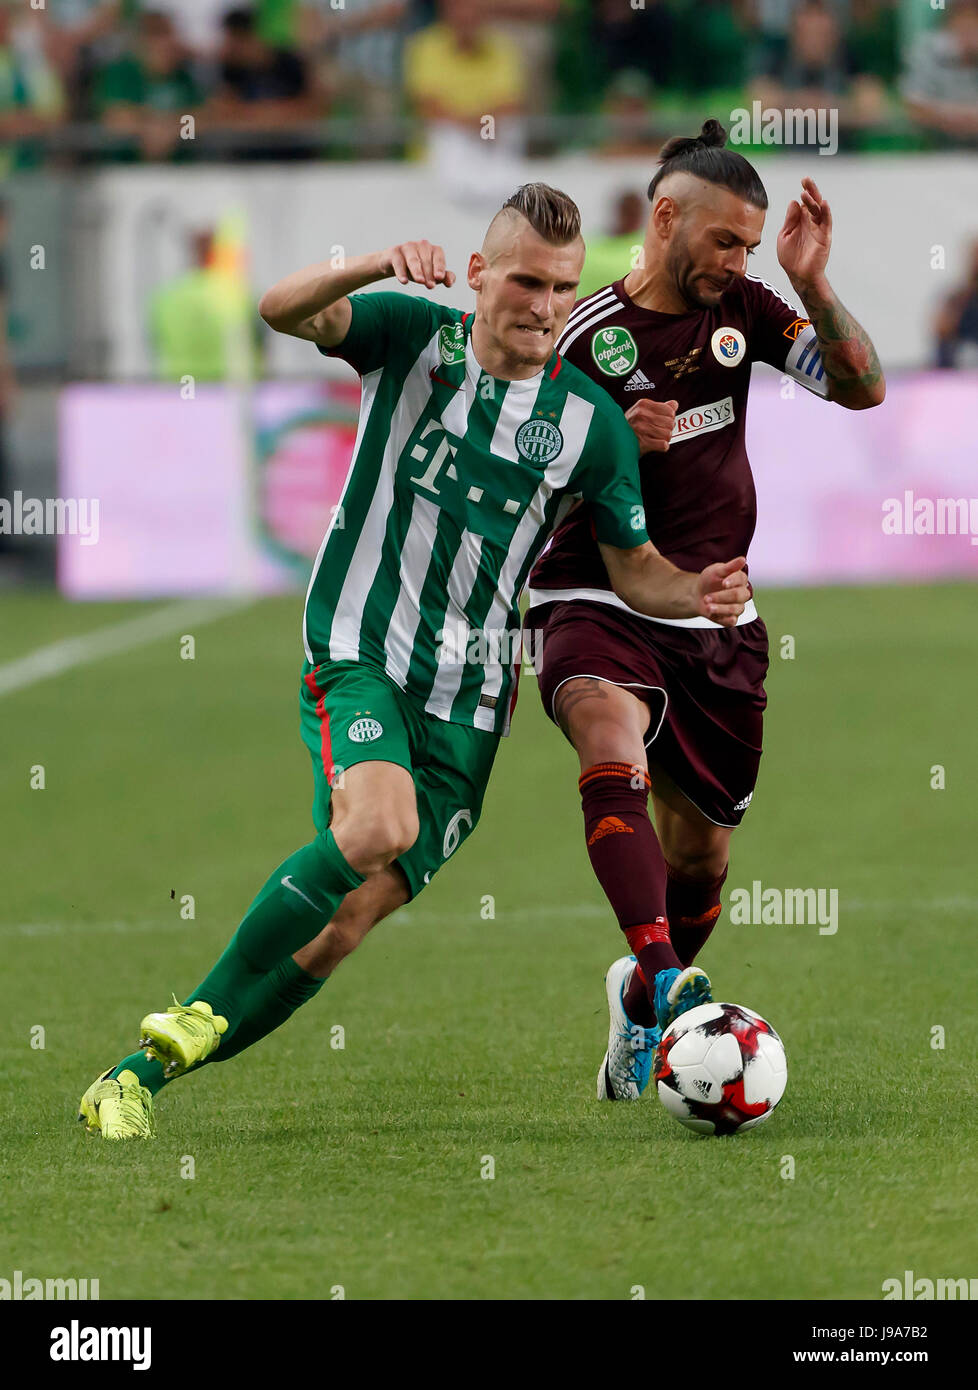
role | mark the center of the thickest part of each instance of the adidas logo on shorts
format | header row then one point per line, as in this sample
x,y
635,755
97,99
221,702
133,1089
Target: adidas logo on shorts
x,y
638,381
742,805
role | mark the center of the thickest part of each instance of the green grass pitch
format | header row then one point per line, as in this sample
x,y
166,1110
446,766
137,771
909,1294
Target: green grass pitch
x,y
362,1168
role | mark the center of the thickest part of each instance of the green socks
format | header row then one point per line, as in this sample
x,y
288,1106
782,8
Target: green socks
x,y
283,990
295,904
256,984
150,1073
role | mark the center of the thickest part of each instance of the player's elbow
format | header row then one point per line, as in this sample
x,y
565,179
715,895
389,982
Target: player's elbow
x,y
626,593
637,596
270,309
274,309
863,396
878,392
873,394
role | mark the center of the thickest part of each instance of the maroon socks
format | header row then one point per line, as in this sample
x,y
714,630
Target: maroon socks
x,y
692,907
666,915
627,860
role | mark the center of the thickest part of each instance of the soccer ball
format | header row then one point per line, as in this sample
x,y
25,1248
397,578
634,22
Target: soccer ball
x,y
720,1068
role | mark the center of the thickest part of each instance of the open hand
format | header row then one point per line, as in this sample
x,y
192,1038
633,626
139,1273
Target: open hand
x,y
806,237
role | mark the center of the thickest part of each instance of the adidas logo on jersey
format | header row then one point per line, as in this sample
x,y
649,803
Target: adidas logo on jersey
x,y
638,381
742,805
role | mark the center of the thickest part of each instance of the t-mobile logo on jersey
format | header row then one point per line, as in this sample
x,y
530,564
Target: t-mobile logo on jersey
x,y
702,419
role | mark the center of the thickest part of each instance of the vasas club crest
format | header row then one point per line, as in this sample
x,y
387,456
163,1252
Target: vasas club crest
x,y
729,346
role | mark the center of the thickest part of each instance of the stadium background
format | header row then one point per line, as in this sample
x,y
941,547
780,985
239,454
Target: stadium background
x,y
133,247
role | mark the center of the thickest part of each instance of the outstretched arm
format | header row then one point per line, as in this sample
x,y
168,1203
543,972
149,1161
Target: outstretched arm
x,y
653,585
313,304
852,368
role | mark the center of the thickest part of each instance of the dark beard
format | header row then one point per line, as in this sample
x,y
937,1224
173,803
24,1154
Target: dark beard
x,y
680,268
690,298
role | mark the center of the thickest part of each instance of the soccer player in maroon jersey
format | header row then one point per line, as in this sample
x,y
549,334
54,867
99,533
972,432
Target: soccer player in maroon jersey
x,y
675,707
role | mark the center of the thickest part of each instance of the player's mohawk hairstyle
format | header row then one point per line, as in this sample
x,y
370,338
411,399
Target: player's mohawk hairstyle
x,y
705,157
550,213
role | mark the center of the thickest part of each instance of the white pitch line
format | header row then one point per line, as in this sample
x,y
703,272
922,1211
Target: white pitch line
x,y
53,660
408,916
58,928
411,916
95,928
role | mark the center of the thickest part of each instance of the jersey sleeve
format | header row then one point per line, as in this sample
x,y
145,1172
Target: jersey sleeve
x,y
609,482
384,323
781,336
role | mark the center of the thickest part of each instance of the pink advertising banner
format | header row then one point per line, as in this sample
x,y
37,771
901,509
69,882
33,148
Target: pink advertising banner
x,y
860,496
232,491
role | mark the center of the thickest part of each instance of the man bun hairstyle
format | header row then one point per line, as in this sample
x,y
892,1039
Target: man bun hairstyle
x,y
706,157
552,215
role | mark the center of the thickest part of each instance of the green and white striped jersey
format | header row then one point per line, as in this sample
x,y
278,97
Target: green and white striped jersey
x,y
456,483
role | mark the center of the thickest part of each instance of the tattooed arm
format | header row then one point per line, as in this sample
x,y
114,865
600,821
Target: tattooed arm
x,y
852,368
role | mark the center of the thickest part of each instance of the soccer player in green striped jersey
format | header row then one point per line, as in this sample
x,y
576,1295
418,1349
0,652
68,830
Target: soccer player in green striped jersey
x,y
474,438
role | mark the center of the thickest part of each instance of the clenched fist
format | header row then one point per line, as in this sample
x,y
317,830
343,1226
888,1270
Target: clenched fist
x,y
653,423
419,262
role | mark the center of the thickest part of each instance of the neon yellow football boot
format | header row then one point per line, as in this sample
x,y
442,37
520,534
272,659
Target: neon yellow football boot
x,y
183,1036
117,1108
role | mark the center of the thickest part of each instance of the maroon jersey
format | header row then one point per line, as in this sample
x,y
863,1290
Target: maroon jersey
x,y
700,503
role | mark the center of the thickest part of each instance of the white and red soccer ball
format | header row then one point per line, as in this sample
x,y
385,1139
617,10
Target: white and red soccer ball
x,y
720,1069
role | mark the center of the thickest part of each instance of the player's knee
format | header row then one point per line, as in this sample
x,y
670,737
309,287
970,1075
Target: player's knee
x,y
603,740
396,832
604,723
698,861
379,837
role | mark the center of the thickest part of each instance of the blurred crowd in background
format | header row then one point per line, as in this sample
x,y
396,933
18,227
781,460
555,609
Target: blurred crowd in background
x,y
471,86
130,125
116,80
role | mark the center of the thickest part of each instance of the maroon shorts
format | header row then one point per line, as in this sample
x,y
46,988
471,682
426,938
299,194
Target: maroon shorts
x,y
704,686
